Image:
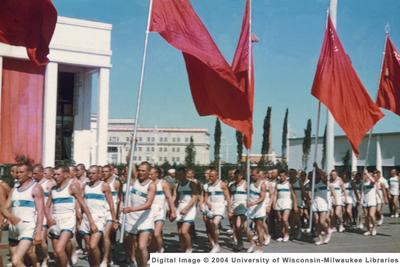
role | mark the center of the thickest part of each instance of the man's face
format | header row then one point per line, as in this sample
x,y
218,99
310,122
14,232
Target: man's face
x,y
207,174
13,172
153,174
333,175
237,177
393,172
37,174
93,174
282,177
181,175
48,174
292,174
172,174
23,174
143,172
80,171
59,176
254,176
72,172
213,176
274,173
231,174
106,173
190,174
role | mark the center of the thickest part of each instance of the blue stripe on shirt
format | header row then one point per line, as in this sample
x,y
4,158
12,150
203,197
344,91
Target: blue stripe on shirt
x,y
61,200
95,196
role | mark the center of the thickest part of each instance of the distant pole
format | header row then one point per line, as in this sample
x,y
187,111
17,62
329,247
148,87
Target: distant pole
x,y
136,122
330,128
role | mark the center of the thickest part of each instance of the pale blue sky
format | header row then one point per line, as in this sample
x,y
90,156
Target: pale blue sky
x,y
291,33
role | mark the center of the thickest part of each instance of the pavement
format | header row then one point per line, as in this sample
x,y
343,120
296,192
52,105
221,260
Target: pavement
x,y
387,240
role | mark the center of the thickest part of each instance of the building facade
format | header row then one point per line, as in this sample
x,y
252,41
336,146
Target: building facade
x,y
384,152
155,145
79,68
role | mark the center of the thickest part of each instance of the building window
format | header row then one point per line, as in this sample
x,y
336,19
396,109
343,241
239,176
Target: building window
x,y
140,148
173,139
165,149
173,149
160,149
186,140
178,140
160,159
139,158
178,149
112,149
148,149
165,159
152,149
161,139
148,158
140,139
134,157
153,139
173,159
127,139
148,139
177,159
165,139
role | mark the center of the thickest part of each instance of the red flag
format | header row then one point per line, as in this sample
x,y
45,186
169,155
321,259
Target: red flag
x,y
389,85
28,23
214,86
241,68
337,85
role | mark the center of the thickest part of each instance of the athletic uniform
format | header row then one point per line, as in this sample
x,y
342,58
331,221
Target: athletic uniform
x,y
337,191
216,200
23,207
394,186
284,199
98,207
64,212
321,202
204,207
369,195
382,183
351,198
238,198
44,183
139,221
114,194
258,211
298,192
159,207
185,195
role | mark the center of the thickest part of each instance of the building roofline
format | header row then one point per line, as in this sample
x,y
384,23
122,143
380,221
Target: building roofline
x,y
343,136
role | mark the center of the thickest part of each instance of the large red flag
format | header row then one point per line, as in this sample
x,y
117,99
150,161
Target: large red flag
x,y
28,23
389,85
337,85
214,86
241,68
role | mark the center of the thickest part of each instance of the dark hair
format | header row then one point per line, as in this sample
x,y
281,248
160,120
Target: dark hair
x,y
62,167
158,170
28,166
145,163
38,166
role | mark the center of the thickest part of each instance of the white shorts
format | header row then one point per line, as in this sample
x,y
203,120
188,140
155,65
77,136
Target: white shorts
x,y
283,204
217,209
24,230
369,202
257,212
320,205
159,213
99,221
145,223
189,217
64,222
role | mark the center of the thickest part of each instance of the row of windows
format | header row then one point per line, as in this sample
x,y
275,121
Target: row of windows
x,y
160,159
160,149
150,139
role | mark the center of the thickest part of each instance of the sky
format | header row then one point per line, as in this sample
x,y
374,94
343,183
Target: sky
x,y
290,33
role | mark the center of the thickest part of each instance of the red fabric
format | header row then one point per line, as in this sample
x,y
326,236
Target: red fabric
x,y
28,23
337,85
214,86
21,111
389,85
240,66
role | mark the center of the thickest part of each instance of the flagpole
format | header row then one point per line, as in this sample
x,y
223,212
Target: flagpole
x,y
315,168
249,77
136,122
330,125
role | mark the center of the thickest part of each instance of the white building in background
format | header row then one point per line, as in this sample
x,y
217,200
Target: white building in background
x,y
384,152
156,145
80,63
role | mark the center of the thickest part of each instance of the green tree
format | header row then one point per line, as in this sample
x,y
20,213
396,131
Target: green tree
x,y
285,135
306,144
266,141
239,147
190,151
347,162
217,141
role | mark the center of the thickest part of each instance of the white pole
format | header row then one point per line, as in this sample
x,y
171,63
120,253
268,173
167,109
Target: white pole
x,y
353,162
330,128
315,169
136,122
378,154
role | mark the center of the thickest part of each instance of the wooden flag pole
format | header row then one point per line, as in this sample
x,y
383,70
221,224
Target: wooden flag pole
x,y
136,122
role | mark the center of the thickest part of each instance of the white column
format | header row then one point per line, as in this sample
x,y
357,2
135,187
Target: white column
x,y
353,162
378,154
330,130
102,119
50,114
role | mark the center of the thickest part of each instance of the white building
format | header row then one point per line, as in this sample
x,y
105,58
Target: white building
x,y
384,152
156,145
80,58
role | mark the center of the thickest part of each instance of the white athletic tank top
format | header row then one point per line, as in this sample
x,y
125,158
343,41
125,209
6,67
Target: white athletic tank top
x,y
254,192
283,190
321,191
185,192
63,201
159,198
114,192
44,183
139,197
238,194
369,192
95,199
23,204
394,185
215,193
297,190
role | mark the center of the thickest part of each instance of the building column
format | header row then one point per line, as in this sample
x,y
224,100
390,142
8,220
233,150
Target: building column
x,y
50,114
353,162
102,119
378,154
